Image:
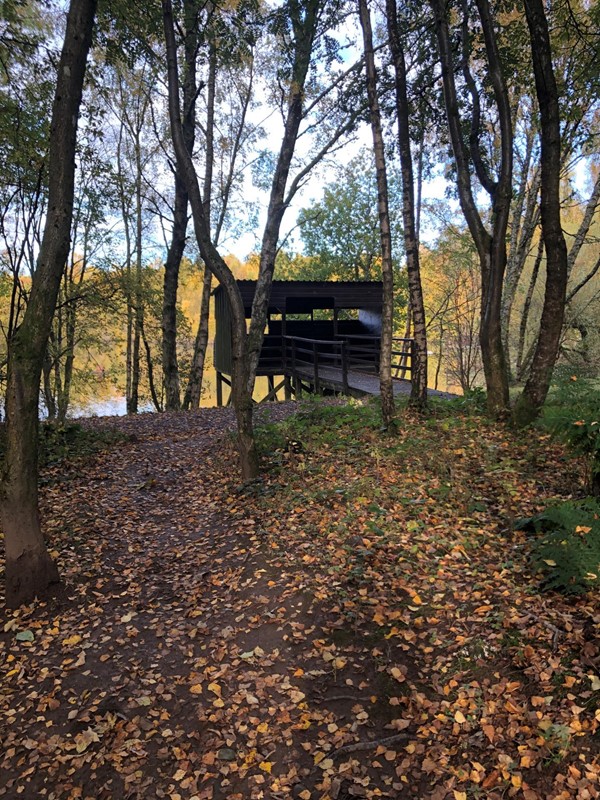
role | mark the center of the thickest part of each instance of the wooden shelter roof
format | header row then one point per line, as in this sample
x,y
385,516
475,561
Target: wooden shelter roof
x,y
298,297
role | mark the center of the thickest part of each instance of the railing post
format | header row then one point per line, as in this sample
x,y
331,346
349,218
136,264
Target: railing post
x,y
284,354
412,356
344,368
316,367
296,378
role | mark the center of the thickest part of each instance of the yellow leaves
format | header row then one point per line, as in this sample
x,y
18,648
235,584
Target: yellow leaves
x,y
460,718
583,529
84,739
321,761
489,731
512,708
144,700
80,660
337,662
595,682
263,727
71,641
215,689
196,688
398,674
459,795
266,766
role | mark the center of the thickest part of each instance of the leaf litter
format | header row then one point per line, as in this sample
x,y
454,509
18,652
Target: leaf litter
x,y
363,622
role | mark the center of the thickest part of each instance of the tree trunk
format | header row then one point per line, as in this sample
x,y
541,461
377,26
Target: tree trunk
x,y
418,393
180,219
388,409
150,369
138,315
129,346
193,391
491,247
304,22
49,399
527,191
242,399
29,567
522,363
65,393
170,365
534,393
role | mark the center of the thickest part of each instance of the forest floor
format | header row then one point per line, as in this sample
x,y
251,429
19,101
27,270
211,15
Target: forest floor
x,y
362,622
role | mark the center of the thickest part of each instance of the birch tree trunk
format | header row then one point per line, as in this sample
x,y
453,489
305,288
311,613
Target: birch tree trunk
x,y
418,393
387,270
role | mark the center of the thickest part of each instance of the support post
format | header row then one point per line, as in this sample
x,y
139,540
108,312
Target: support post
x,y
316,367
344,354
219,389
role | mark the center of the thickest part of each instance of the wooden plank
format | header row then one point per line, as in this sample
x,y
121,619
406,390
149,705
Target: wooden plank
x,y
359,383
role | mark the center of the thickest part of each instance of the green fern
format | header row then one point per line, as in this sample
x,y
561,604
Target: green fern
x,y
567,551
573,414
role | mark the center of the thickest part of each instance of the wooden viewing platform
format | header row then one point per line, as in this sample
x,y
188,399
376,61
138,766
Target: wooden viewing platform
x,y
321,337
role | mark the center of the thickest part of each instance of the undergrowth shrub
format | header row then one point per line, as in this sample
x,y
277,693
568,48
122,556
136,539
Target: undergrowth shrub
x,y
573,415
61,442
567,550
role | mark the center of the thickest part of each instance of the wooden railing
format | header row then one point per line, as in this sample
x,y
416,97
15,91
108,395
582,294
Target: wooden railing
x,y
402,358
317,354
308,359
364,353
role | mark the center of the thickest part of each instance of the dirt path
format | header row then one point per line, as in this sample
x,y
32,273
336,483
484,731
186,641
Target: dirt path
x,y
140,680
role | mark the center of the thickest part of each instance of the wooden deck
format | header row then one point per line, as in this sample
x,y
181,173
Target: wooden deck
x,y
360,384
